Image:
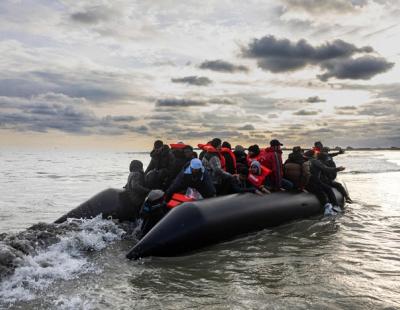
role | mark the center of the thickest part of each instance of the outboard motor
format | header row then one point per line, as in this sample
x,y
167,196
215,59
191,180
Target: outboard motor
x,y
153,210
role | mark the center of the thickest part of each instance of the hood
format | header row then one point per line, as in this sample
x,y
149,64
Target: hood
x,y
136,165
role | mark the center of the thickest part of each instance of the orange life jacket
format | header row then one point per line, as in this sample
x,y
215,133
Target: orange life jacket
x,y
226,150
258,180
210,149
177,199
178,146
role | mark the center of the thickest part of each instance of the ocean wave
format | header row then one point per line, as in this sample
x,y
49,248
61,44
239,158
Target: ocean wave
x,y
34,259
371,171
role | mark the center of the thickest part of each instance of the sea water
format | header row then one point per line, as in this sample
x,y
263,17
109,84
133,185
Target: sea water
x,y
351,261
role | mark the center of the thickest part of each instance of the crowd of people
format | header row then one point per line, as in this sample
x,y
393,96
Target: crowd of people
x,y
219,170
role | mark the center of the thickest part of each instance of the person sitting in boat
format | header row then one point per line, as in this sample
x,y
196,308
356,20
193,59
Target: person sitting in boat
x,y
214,163
160,170
183,153
230,159
273,161
195,176
329,177
255,153
258,176
294,168
322,190
135,186
240,156
241,184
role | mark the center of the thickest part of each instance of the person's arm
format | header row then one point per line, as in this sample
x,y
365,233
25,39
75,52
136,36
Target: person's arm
x,y
176,186
238,189
208,189
325,168
215,165
150,167
137,184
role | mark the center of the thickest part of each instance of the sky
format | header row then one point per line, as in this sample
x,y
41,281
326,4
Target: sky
x,y
118,74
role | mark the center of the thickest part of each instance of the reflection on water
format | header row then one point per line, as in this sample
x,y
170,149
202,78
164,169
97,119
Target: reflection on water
x,y
351,262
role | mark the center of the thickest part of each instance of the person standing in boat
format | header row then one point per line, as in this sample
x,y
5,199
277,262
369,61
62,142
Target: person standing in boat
x,y
135,186
160,170
317,186
214,163
329,177
273,162
195,176
318,147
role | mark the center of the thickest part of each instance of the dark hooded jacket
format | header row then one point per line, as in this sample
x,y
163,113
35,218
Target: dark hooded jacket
x,y
180,160
293,169
327,160
163,162
185,179
135,185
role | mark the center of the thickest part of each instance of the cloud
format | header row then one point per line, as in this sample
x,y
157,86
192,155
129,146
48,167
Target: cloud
x,y
282,55
306,112
59,112
247,127
315,99
193,80
346,110
362,68
174,102
380,108
222,66
317,6
222,100
92,15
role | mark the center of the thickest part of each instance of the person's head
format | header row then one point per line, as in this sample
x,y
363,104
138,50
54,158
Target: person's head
x,y
243,172
216,143
254,150
297,150
188,151
255,167
158,145
226,144
274,143
239,148
135,165
196,167
318,144
325,149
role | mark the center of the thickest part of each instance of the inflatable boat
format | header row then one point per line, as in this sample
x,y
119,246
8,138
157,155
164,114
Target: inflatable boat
x,y
193,225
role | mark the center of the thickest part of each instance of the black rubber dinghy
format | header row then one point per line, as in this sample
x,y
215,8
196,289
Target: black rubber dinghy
x,y
114,203
194,225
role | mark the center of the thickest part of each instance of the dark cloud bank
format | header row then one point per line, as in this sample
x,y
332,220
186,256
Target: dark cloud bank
x,y
222,66
335,58
193,80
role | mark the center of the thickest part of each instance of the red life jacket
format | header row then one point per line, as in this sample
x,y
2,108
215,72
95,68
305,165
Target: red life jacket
x,y
260,158
226,150
316,150
178,146
258,180
210,149
177,199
